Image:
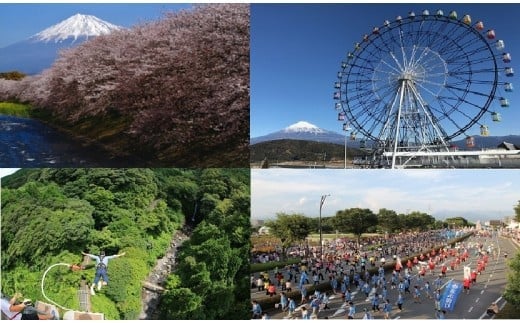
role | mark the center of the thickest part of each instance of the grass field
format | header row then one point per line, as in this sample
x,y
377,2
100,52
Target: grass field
x,y
15,109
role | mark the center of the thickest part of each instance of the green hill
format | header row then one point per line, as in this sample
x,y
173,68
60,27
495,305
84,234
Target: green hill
x,y
285,150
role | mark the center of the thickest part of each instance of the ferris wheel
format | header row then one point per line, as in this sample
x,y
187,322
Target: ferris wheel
x,y
417,82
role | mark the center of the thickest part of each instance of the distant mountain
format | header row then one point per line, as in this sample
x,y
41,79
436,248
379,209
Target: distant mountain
x,y
37,53
304,130
489,142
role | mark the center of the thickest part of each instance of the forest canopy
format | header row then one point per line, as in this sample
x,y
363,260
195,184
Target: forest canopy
x,y
52,215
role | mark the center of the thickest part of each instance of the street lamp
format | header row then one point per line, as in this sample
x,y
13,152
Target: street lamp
x,y
323,197
346,128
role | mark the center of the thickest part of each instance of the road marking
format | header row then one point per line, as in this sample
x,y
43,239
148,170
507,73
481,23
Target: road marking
x,y
470,309
482,292
397,318
478,298
481,316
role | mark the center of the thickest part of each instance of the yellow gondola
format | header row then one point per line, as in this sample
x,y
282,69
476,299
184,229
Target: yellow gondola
x,y
484,130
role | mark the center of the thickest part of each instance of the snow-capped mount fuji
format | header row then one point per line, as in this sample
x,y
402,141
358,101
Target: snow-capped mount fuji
x,y
33,55
302,130
303,126
77,26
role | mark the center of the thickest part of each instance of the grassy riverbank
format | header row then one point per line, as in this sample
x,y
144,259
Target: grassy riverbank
x,y
105,133
15,109
111,132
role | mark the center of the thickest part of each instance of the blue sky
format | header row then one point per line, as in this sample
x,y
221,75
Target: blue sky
x,y
20,21
297,49
490,194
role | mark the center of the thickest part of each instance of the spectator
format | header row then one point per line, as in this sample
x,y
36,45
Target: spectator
x,y
257,310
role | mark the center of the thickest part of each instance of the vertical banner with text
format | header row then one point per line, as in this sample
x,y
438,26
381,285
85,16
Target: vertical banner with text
x,y
450,295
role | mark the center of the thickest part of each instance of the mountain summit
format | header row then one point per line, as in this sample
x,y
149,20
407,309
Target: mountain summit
x,y
74,27
303,126
33,55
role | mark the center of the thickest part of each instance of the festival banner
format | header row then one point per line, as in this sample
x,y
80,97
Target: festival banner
x,y
450,295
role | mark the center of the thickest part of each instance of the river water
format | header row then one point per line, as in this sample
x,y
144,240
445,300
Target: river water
x,y
27,143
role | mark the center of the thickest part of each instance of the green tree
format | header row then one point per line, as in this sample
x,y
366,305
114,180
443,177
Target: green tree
x,y
182,304
512,293
289,228
388,220
416,221
355,220
457,222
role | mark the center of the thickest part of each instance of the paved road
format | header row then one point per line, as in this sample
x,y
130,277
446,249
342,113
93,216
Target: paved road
x,y
490,286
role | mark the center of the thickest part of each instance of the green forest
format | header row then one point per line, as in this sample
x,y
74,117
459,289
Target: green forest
x,y
50,216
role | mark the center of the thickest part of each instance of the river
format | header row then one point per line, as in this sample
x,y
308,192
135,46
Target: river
x,y
28,143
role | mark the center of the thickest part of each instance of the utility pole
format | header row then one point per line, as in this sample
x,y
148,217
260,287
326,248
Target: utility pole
x,y
323,197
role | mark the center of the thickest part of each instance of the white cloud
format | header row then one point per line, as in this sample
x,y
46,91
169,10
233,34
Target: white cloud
x,y
7,171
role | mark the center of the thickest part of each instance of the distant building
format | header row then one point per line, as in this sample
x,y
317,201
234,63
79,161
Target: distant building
x,y
495,223
513,224
508,146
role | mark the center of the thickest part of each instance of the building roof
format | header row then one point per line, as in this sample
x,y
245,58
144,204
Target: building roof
x,y
508,146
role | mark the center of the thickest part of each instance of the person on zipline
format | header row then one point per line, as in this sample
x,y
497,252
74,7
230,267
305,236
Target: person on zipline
x,y
101,268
